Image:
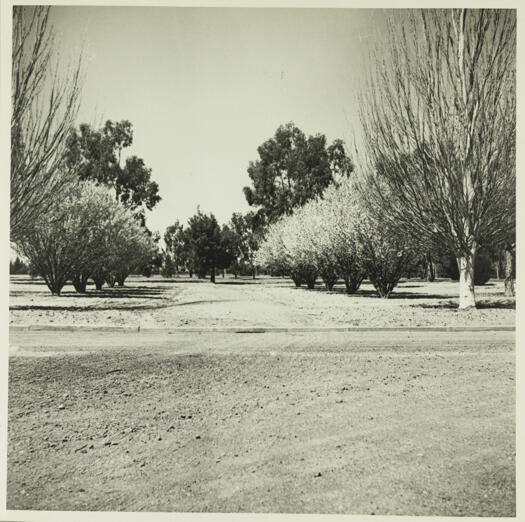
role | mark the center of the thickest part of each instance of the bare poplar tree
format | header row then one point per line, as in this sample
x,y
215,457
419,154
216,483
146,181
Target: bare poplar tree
x,y
438,112
44,106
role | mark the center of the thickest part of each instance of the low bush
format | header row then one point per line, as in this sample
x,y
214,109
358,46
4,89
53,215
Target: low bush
x,y
482,267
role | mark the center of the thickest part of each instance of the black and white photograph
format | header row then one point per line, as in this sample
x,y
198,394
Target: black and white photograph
x,y
262,259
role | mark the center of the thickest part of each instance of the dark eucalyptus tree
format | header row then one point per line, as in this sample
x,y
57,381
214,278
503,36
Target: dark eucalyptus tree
x,y
293,168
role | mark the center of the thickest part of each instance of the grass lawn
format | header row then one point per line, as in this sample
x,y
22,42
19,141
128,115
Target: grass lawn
x,y
261,423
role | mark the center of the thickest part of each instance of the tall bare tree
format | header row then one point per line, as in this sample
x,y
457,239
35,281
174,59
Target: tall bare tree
x,y
438,112
44,106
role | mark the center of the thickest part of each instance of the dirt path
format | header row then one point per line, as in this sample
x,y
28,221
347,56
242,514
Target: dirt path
x,y
225,304
265,302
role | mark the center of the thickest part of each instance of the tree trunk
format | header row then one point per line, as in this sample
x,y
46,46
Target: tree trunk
x,y
467,297
430,270
212,275
296,279
80,283
110,281
99,281
329,284
352,283
253,273
55,287
310,281
384,288
329,278
509,274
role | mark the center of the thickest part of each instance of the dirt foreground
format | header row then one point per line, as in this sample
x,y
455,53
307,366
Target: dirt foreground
x,y
411,424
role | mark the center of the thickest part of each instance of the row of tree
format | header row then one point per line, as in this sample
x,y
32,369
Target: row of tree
x,y
438,162
338,236
343,235
203,246
86,234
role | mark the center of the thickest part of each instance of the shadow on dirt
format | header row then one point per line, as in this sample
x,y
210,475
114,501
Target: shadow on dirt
x,y
410,295
237,282
124,292
220,281
204,301
509,304
502,303
171,281
26,281
373,293
88,308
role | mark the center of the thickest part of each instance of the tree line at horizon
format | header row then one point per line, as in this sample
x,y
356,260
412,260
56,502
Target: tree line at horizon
x,y
433,184
291,169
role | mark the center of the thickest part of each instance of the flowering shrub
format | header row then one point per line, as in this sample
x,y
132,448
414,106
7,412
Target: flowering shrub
x,y
86,233
338,236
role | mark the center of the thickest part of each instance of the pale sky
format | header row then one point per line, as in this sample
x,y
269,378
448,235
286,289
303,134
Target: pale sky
x,y
204,87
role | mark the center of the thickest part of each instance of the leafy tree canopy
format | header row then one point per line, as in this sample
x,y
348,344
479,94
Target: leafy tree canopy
x,y
293,168
248,230
208,245
97,155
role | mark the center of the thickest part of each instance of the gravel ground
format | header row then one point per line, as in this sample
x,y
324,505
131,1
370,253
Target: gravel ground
x,y
402,424
157,302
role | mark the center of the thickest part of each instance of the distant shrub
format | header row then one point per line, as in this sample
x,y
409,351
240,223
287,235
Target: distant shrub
x,y
482,267
18,267
168,266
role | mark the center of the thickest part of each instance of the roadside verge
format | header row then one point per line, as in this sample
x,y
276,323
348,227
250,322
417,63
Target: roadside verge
x,y
257,329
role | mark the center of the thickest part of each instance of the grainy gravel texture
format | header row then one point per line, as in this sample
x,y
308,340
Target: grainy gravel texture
x,y
182,301
397,424
394,423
